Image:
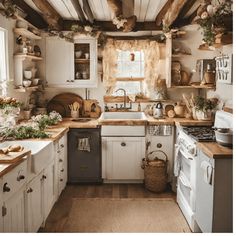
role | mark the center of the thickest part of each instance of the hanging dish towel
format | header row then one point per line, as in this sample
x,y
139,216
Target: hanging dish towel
x,y
177,160
83,144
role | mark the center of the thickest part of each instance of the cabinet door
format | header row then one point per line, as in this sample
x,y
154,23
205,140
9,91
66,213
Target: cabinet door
x,y
86,67
13,213
34,210
59,62
123,158
48,189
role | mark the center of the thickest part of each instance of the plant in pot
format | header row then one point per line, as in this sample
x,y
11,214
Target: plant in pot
x,y
204,107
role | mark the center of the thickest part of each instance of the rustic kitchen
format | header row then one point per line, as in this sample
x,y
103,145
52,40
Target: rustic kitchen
x,y
116,116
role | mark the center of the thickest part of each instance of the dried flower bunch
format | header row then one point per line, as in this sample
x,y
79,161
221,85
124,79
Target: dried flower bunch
x,y
211,17
8,102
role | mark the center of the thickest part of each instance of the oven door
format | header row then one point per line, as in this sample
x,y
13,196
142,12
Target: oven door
x,y
186,164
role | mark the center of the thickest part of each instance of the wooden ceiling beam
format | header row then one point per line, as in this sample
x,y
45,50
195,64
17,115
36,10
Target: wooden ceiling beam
x,y
162,12
88,11
173,12
108,26
32,16
79,10
49,14
187,6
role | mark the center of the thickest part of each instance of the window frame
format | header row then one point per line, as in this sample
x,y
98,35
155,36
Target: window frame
x,y
5,32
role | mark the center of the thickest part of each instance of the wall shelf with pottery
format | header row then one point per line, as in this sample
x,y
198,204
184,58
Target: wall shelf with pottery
x,y
26,33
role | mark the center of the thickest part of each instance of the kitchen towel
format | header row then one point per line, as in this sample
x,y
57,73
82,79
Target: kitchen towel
x,y
207,172
83,144
177,163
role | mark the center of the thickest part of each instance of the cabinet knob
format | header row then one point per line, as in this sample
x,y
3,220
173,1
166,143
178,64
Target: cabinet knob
x,y
6,188
61,180
60,160
44,177
72,81
67,80
159,145
30,190
20,177
62,170
123,144
62,145
58,151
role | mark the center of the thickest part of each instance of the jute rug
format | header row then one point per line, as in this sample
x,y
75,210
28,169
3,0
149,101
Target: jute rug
x,y
125,215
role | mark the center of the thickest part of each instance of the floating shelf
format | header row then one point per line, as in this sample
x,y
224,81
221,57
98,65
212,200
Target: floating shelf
x,y
181,54
26,33
26,56
82,61
193,86
28,89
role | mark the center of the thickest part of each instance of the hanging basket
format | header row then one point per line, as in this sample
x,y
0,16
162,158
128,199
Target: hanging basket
x,y
155,171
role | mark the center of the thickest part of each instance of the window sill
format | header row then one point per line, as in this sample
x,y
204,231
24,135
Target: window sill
x,y
118,99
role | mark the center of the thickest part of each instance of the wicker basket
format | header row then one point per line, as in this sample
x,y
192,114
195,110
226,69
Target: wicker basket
x,y
155,172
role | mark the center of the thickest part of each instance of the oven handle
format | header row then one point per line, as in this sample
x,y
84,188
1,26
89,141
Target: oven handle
x,y
185,155
184,182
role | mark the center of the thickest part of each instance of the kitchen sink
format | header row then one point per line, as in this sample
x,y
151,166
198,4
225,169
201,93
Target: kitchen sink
x,y
41,152
123,116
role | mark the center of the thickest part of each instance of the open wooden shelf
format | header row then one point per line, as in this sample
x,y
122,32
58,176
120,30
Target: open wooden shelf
x,y
26,56
82,61
26,33
28,89
193,86
180,55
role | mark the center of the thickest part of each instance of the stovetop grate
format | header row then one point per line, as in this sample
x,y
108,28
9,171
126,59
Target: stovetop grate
x,y
200,133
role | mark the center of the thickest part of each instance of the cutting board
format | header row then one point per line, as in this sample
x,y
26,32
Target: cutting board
x,y
13,157
60,103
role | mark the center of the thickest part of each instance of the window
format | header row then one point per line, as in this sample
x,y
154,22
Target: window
x,y
3,55
130,71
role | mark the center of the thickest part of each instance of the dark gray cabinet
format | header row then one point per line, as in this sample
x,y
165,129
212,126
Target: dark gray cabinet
x,y
84,155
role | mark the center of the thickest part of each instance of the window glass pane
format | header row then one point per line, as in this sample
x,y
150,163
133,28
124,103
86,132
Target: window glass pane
x,y
131,87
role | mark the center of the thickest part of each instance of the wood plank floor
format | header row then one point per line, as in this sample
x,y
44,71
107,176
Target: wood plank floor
x,y
60,212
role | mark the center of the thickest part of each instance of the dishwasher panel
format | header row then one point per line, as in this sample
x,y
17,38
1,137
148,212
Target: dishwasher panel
x,y
84,156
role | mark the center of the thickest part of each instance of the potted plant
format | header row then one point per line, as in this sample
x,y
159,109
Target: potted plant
x,y
212,17
204,107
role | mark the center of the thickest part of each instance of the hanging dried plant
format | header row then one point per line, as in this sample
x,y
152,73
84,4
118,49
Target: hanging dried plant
x,y
7,8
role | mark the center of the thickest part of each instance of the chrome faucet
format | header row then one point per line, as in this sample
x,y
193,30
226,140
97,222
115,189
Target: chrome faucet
x,y
120,89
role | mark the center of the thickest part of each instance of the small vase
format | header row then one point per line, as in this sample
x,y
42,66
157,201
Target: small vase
x,y
204,115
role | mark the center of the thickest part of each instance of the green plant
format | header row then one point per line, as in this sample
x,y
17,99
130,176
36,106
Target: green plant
x,y
203,104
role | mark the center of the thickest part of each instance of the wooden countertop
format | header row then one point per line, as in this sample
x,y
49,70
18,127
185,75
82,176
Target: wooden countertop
x,y
215,150
68,123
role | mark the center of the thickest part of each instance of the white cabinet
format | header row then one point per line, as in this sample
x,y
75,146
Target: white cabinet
x,y
48,189
34,208
214,195
63,69
13,213
59,62
60,148
122,157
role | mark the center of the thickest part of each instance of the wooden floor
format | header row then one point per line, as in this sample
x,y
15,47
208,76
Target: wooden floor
x,y
60,212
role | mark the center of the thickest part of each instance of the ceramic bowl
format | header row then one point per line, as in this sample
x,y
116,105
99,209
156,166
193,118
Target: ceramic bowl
x,y
28,74
78,54
35,81
26,83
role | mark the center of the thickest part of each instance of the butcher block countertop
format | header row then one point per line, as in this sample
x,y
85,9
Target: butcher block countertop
x,y
69,123
214,150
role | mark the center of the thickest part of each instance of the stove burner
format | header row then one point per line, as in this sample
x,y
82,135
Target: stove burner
x,y
200,133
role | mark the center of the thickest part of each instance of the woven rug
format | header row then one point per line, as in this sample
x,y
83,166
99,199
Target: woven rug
x,y
125,215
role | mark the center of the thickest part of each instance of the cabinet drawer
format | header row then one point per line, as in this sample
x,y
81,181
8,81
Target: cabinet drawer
x,y
13,180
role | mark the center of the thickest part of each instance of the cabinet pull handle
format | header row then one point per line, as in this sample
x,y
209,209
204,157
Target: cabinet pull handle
x,y
58,151
4,211
67,80
62,146
30,190
20,177
60,160
44,177
6,188
123,144
62,170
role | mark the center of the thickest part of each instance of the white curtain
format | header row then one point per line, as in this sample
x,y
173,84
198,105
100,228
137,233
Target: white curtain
x,y
151,56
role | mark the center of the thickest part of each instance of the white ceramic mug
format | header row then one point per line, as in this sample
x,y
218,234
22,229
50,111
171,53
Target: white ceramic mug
x,y
86,55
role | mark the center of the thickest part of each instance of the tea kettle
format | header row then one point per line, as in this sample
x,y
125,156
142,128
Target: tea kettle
x,y
158,110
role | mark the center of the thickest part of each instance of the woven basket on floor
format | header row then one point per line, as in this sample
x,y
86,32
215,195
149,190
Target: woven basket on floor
x,y
155,172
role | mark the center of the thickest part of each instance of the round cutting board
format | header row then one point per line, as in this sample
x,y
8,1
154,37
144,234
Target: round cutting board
x,y
61,102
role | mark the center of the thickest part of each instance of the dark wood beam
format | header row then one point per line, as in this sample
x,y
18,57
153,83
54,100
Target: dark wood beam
x,y
187,6
49,14
108,26
78,10
32,16
162,12
88,11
